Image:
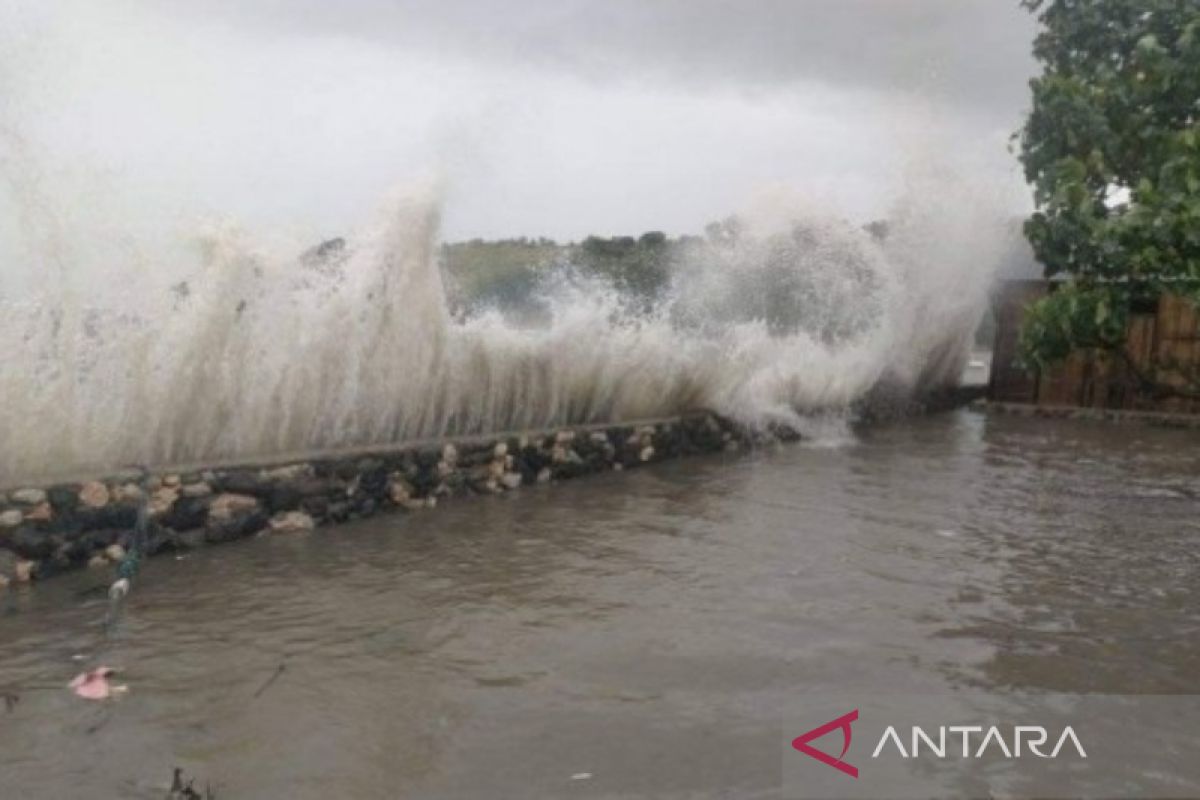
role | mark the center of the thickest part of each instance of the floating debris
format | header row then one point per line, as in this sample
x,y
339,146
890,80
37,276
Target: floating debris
x,y
94,685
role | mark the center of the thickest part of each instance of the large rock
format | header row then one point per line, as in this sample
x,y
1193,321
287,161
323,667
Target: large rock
x,y
236,527
162,500
93,494
42,512
28,497
31,543
228,506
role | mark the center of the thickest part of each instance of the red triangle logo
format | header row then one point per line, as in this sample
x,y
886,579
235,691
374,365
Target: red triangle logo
x,y
843,722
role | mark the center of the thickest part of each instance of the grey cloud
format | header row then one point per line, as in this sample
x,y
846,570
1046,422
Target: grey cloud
x,y
974,53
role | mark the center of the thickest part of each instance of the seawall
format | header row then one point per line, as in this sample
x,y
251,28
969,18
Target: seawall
x,y
67,525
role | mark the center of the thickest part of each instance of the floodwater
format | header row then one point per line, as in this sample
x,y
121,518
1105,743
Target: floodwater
x,y
627,635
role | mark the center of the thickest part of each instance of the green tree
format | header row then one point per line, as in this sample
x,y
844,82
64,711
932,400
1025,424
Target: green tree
x,y
1112,150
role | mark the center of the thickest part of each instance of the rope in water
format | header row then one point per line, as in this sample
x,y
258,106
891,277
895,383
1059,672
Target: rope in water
x,y
128,569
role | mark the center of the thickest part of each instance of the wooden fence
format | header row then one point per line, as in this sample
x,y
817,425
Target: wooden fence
x,y
1168,332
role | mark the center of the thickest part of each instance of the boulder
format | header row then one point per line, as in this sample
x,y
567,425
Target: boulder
x,y
28,497
40,513
11,518
235,527
227,506
93,494
162,500
289,472
186,514
129,493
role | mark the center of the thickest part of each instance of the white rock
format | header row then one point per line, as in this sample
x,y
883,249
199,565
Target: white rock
x,y
510,480
94,494
291,521
97,561
29,497
500,450
196,490
599,437
564,436
290,472
11,518
23,571
450,454
170,480
544,475
130,492
647,453
162,500
225,506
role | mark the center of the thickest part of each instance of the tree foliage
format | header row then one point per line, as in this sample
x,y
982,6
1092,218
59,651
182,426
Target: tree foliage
x,y
1112,150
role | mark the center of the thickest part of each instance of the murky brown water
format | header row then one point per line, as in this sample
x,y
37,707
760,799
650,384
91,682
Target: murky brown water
x,y
643,627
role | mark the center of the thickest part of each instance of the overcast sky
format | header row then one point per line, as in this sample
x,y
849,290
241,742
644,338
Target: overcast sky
x,y
555,117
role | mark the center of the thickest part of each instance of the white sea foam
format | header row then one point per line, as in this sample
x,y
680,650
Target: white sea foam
x,y
232,351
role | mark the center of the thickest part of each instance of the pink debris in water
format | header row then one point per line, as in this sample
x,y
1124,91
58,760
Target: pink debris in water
x,y
94,685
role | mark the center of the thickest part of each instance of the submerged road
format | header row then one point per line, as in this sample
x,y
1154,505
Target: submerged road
x,y
630,635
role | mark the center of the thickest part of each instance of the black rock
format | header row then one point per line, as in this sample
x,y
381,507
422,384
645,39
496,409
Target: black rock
x,y
374,482
186,514
243,481
237,528
63,498
110,516
316,507
29,542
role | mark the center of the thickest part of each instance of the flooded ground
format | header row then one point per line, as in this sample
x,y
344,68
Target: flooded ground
x,y
631,635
